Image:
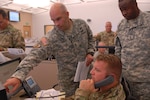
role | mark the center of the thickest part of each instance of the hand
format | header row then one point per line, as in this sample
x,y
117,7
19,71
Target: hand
x,y
89,59
14,82
87,85
1,49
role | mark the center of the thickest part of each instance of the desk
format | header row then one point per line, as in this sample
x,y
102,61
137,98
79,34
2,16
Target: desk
x,y
46,79
17,97
45,74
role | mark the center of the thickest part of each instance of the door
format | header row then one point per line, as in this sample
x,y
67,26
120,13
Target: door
x,y
27,31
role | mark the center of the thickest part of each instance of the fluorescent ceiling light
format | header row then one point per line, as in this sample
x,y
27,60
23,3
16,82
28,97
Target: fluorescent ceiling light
x,y
33,3
39,3
20,1
94,0
67,1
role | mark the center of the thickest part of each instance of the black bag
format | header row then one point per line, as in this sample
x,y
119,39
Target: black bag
x,y
127,90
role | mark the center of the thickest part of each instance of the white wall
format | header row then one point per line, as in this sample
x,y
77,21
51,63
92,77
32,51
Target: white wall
x,y
98,12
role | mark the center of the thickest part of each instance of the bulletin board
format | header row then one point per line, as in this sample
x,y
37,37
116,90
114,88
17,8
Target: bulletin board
x,y
47,28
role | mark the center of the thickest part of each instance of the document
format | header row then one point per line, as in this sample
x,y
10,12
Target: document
x,y
3,58
81,71
16,51
50,94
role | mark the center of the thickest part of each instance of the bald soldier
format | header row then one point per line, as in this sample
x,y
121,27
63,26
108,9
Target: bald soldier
x,y
107,36
70,41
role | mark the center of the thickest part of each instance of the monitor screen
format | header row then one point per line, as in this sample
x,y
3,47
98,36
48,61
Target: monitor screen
x,y
14,16
30,81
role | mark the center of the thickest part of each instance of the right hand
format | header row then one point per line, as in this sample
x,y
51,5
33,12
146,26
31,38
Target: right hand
x,y
14,82
87,85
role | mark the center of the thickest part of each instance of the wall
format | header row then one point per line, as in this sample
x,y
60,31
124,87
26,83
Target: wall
x,y
98,12
25,20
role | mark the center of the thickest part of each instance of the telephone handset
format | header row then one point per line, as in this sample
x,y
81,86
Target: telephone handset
x,y
30,87
106,81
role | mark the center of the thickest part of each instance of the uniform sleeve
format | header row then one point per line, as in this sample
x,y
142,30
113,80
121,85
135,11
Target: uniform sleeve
x,y
2,48
31,60
90,40
81,95
18,40
98,37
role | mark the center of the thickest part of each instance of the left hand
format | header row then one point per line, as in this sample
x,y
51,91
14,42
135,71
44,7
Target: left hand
x,y
89,59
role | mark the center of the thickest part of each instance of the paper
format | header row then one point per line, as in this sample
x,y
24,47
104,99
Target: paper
x,y
16,51
1,86
81,71
3,58
50,94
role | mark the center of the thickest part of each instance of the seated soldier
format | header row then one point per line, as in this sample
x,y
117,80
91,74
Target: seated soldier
x,y
42,42
104,66
101,50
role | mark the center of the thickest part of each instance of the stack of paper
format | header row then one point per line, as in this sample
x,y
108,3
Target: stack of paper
x,y
81,71
50,94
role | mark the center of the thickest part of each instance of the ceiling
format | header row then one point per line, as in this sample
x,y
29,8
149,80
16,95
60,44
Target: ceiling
x,y
35,9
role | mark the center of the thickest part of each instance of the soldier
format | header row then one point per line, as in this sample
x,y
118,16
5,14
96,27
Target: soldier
x,y
10,37
133,47
101,50
107,36
104,66
70,41
42,42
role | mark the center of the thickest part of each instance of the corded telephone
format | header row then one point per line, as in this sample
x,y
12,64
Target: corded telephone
x,y
108,80
30,87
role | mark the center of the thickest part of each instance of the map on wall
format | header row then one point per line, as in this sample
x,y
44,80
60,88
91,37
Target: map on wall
x,y
47,28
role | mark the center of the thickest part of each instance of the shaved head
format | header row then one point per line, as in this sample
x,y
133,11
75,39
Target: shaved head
x,y
60,16
58,6
108,26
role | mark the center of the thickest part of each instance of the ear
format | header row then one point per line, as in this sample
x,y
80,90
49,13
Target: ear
x,y
67,13
116,78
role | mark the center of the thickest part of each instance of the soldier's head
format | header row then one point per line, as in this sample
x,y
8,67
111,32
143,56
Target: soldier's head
x,y
3,19
60,16
108,27
107,65
102,50
129,9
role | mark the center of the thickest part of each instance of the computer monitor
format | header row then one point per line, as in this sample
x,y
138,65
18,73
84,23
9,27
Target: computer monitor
x,y
8,68
14,16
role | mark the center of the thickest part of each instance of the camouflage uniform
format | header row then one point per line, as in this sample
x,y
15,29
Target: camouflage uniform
x,y
107,38
68,49
133,46
11,38
116,93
